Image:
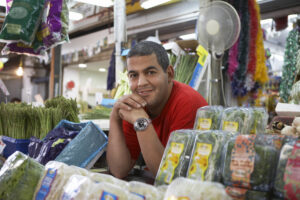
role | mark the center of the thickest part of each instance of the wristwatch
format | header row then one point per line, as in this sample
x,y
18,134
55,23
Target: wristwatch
x,y
141,124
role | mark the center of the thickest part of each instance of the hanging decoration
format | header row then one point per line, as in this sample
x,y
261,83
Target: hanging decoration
x,y
289,67
246,59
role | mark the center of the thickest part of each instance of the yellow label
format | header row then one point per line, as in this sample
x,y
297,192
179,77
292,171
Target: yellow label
x,y
171,161
202,53
200,159
13,29
204,124
178,198
230,126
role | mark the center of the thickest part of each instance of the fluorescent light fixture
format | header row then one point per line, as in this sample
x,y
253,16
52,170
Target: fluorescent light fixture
x,y
75,16
82,65
3,3
102,70
191,36
152,3
102,3
20,71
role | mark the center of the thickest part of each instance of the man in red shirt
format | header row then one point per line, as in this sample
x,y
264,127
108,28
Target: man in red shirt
x,y
142,121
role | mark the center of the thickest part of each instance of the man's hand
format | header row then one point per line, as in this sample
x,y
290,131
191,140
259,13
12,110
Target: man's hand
x,y
132,115
127,103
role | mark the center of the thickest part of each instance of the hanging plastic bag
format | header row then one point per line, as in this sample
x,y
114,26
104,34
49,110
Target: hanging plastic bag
x,y
22,21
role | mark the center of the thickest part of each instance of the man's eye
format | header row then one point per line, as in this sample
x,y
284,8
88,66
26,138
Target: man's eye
x,y
151,72
131,76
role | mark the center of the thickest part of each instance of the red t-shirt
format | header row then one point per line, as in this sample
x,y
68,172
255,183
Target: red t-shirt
x,y
178,113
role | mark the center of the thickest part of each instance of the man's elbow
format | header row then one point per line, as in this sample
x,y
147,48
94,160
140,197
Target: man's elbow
x,y
118,174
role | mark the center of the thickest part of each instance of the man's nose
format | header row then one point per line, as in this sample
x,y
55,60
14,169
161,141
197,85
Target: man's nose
x,y
142,80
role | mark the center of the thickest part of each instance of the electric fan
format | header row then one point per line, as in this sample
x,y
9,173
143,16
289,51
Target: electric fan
x,y
218,29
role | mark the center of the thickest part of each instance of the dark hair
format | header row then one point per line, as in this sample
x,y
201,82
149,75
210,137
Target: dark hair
x,y
146,48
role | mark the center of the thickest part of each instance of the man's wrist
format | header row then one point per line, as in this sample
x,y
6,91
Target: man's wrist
x,y
141,124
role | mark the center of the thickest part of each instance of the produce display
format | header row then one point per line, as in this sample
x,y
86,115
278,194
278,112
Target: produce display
x,y
295,93
99,112
19,177
260,121
55,176
183,188
144,190
22,121
174,162
208,118
236,119
97,177
249,162
77,187
205,162
185,68
283,158
245,194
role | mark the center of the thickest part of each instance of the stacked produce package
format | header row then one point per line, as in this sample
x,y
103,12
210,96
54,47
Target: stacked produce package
x,y
33,26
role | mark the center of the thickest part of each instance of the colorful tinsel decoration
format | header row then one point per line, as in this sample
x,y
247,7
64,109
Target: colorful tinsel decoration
x,y
246,61
289,67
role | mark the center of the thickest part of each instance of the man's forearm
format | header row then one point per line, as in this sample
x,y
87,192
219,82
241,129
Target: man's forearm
x,y
118,156
151,147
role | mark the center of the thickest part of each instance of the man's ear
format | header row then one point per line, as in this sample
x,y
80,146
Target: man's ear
x,y
170,72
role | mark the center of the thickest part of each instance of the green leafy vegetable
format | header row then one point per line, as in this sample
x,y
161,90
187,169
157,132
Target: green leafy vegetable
x,y
185,68
174,162
236,119
19,177
205,163
208,118
260,121
265,158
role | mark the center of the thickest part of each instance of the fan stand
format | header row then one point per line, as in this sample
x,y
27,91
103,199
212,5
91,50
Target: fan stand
x,y
216,94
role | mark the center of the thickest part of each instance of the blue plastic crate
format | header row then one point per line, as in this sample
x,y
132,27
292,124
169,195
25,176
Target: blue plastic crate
x,y
13,145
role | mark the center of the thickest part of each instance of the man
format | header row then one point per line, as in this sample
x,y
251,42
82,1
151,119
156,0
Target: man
x,y
158,105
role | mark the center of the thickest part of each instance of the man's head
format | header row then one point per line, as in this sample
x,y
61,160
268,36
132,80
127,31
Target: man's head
x,y
150,75
146,48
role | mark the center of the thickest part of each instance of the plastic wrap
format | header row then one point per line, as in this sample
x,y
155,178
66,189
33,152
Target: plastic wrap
x,y
208,118
22,21
55,141
283,158
55,176
175,159
77,188
249,162
85,148
260,121
245,194
162,190
19,177
98,177
236,119
205,162
144,190
184,188
110,191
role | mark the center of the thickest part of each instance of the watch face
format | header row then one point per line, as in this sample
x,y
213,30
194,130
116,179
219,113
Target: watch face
x,y
141,124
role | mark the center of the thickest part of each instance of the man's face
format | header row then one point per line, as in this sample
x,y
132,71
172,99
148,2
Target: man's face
x,y
148,80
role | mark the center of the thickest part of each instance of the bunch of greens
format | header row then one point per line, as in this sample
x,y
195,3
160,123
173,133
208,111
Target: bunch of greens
x,y
19,177
208,118
174,162
286,151
185,68
265,159
68,107
22,121
205,159
99,112
172,59
236,119
260,121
